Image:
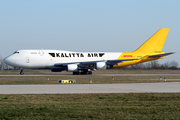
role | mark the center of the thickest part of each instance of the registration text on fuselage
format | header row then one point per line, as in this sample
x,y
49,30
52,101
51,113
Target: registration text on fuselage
x,y
77,55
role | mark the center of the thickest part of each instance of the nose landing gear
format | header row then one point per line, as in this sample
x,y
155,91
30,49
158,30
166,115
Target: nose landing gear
x,y
21,72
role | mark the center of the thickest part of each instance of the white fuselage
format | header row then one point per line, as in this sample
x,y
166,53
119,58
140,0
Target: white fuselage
x,y
46,59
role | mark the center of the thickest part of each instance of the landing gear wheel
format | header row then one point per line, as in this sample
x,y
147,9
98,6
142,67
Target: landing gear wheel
x,y
75,73
90,72
83,73
21,73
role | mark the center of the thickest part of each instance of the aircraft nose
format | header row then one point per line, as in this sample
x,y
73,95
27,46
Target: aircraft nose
x,y
8,60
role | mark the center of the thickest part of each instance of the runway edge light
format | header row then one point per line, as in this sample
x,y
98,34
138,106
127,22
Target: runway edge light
x,y
165,79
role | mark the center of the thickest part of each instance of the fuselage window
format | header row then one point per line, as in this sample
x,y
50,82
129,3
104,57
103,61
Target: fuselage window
x,y
52,54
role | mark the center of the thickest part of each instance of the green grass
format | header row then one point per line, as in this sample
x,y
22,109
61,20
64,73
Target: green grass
x,y
91,106
83,79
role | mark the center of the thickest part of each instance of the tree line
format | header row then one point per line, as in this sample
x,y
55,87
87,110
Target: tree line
x,y
172,65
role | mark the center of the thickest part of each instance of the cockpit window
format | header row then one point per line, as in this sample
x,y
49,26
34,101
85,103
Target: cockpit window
x,y
16,52
52,54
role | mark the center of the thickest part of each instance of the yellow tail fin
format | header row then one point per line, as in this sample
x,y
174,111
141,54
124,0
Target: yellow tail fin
x,y
154,43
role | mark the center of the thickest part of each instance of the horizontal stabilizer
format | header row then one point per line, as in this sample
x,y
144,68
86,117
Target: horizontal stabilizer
x,y
161,55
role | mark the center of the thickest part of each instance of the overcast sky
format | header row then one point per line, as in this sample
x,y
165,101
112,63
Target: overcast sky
x,y
87,25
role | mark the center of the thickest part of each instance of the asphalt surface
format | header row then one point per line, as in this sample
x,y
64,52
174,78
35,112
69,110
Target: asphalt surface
x,y
166,87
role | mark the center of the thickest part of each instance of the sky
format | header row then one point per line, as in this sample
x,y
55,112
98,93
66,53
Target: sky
x,y
88,25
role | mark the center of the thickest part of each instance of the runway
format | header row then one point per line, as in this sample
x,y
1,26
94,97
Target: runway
x,y
98,75
166,87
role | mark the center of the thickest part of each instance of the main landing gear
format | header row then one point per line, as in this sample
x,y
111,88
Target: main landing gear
x,y
82,73
21,72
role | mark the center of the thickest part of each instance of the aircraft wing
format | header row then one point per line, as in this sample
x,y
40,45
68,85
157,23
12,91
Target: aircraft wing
x,y
108,62
115,62
92,63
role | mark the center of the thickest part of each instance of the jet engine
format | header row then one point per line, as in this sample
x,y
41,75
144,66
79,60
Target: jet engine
x,y
101,65
72,68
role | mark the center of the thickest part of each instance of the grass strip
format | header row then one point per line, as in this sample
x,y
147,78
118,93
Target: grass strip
x,y
91,106
84,79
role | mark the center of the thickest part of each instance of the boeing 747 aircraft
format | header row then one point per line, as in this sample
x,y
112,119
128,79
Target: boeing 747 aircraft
x,y
86,62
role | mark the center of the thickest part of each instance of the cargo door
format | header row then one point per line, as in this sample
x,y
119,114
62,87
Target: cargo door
x,y
41,52
27,60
